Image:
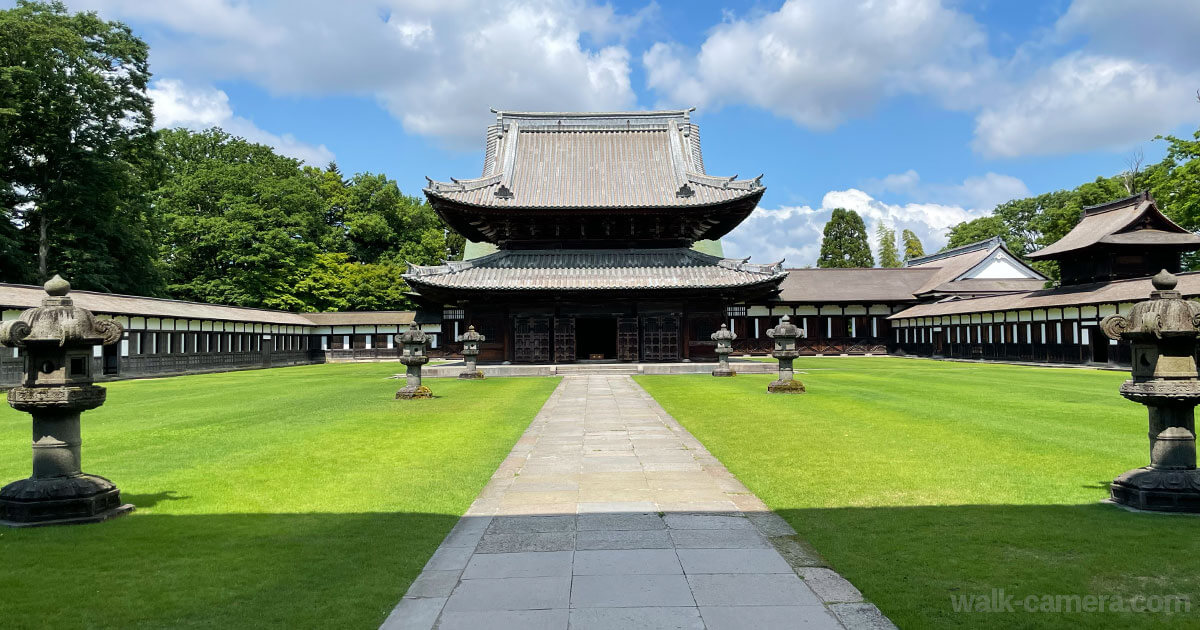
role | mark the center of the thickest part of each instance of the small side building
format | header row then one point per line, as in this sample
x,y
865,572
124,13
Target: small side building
x,y
1106,262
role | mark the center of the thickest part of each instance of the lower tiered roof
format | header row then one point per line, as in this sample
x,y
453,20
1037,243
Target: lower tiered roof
x,y
614,270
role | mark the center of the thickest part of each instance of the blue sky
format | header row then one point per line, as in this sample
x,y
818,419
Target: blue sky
x,y
916,113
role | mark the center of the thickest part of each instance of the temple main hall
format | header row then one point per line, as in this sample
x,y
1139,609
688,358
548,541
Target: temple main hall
x,y
594,236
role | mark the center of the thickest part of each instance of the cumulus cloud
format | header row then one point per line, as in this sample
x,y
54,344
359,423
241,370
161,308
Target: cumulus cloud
x,y
177,104
819,62
978,191
1163,31
437,66
1084,102
794,232
1107,76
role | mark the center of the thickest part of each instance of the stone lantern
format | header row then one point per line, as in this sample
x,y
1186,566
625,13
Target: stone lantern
x,y
785,335
470,350
412,355
1162,333
56,387
724,338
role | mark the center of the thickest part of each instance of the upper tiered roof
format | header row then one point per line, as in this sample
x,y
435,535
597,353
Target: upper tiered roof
x,y
1133,221
645,167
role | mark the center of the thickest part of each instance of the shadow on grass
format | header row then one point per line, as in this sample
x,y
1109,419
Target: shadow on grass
x,y
151,499
911,561
218,570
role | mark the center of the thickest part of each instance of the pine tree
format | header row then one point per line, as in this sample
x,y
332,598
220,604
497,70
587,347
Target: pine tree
x,y
912,246
844,243
885,237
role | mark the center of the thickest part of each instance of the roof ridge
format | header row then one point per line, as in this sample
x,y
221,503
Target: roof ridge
x,y
1115,204
643,113
148,297
961,249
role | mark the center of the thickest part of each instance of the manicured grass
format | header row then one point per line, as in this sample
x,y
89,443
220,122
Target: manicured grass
x,y
922,480
293,497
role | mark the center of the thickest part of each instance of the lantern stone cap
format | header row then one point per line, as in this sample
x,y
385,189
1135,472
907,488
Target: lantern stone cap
x,y
60,322
784,329
723,333
413,335
1164,314
471,335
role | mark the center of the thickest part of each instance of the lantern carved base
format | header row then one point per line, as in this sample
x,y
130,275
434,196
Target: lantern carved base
x,y
723,372
1158,490
409,393
60,501
785,387
472,376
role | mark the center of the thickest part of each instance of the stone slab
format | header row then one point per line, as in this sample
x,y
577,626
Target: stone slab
x,y
625,591
627,562
772,589
522,564
862,616
510,594
505,620
773,617
656,618
696,561
829,586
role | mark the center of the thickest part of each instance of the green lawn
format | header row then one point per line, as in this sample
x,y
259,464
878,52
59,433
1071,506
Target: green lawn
x,y
292,497
922,480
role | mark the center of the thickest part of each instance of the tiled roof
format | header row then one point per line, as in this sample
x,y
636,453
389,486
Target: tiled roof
x,y
385,318
1133,220
952,264
853,284
1131,290
594,269
594,160
19,296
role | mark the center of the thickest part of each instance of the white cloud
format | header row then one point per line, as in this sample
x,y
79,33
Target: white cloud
x,y
977,191
1164,31
819,62
177,104
794,232
436,65
1086,102
1127,73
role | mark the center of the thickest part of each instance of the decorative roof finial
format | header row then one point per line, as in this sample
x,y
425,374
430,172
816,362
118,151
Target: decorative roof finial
x,y
57,287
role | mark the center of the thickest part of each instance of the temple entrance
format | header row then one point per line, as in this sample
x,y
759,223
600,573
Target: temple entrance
x,y
596,338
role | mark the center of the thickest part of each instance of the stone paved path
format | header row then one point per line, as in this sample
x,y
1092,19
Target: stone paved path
x,y
609,514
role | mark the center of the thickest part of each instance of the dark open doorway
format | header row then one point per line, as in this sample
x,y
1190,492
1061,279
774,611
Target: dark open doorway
x,y
596,338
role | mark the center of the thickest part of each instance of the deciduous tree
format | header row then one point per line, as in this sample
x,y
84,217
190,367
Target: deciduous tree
x,y
76,150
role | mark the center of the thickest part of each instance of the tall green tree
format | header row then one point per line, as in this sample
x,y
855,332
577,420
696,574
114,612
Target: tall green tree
x,y
241,224
844,242
333,283
912,245
76,150
885,237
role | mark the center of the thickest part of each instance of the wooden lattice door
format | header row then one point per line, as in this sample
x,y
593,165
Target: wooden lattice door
x,y
531,340
660,337
564,339
627,338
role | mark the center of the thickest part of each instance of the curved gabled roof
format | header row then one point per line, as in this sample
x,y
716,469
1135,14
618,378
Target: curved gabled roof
x,y
594,160
1133,221
594,270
